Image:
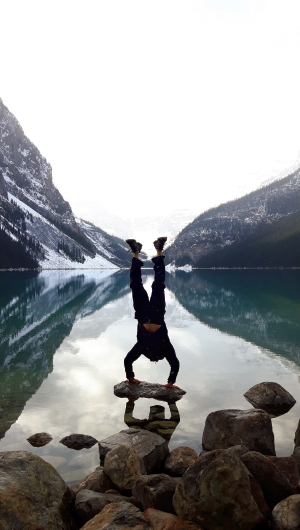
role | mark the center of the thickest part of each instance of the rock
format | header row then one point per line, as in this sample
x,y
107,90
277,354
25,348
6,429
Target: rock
x,y
226,428
297,436
289,466
286,514
89,503
273,482
32,494
215,493
151,448
258,496
155,491
118,515
122,466
163,521
112,492
95,481
39,439
148,390
179,460
271,397
78,441
238,450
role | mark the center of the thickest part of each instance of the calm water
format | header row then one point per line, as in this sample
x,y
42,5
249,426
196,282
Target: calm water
x,y
63,337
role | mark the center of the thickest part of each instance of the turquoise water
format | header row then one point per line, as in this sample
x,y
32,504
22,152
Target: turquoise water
x,y
64,335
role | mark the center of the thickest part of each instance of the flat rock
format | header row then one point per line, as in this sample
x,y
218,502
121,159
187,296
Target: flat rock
x,y
32,494
123,467
286,514
151,448
179,460
78,441
96,481
118,515
251,428
90,503
39,439
271,397
147,390
215,493
155,491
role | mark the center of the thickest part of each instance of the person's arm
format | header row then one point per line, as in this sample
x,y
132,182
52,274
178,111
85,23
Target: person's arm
x,y
174,364
132,356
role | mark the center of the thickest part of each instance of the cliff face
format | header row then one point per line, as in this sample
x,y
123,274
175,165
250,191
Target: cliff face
x,y
261,217
34,217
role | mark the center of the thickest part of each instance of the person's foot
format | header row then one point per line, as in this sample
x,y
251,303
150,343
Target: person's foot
x,y
134,245
159,243
171,385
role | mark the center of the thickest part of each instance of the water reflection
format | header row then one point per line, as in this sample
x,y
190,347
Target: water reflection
x,y
156,421
36,314
262,307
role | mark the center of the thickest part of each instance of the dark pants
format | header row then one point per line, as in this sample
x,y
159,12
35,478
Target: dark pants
x,y
146,310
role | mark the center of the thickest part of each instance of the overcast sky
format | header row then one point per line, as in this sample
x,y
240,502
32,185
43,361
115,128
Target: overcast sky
x,y
151,105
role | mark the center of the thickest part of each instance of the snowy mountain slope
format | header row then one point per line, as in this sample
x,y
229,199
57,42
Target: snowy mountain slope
x,y
253,216
37,226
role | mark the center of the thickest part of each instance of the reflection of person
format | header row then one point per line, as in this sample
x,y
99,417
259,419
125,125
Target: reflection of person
x,y
152,335
156,422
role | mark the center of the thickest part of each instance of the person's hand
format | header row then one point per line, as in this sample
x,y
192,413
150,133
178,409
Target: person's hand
x,y
132,381
170,385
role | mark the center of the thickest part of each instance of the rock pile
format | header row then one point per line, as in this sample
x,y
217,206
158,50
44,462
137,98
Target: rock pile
x,y
236,483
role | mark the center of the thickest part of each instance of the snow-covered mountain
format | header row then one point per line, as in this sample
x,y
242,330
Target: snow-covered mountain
x,y
37,226
144,229
259,229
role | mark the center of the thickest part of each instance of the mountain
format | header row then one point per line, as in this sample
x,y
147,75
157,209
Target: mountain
x,y
261,229
144,229
37,226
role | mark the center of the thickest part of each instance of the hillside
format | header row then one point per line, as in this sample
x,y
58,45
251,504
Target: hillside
x,y
37,226
261,229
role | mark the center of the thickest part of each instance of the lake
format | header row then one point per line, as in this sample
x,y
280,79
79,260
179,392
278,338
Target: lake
x,y
64,335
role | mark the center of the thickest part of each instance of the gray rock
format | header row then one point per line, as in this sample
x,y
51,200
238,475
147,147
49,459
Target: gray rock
x,y
215,493
148,390
271,397
155,491
96,481
151,448
78,441
274,484
90,503
179,460
39,439
118,515
122,465
286,514
32,494
238,450
226,428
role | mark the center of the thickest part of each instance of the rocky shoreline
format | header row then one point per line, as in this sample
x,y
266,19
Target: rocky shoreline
x,y
237,481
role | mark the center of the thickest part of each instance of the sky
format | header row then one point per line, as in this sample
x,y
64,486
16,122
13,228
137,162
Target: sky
x,y
146,106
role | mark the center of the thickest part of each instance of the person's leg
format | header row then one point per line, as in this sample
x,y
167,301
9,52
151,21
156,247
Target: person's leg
x,y
139,295
157,300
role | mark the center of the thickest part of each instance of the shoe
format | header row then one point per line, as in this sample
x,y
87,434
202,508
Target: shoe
x,y
134,246
159,243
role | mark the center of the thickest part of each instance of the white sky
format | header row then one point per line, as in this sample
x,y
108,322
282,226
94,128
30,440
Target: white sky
x,y
153,105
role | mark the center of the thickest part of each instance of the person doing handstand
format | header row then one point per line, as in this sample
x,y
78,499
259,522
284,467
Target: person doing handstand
x,y
152,335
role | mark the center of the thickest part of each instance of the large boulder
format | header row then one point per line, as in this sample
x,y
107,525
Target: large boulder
x,y
32,494
271,397
215,493
274,484
78,441
179,460
166,521
286,514
297,436
39,439
89,503
122,466
96,481
155,491
148,390
226,428
151,448
289,467
118,515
